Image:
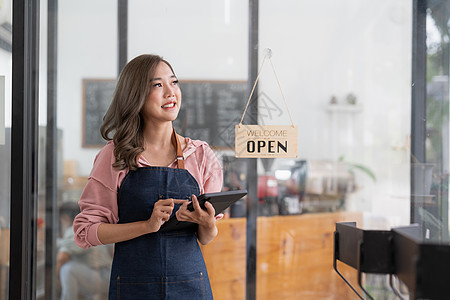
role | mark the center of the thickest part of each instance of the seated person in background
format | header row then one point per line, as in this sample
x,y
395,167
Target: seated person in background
x,y
81,272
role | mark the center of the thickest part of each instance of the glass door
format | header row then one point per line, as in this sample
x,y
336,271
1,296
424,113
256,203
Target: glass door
x,y
345,70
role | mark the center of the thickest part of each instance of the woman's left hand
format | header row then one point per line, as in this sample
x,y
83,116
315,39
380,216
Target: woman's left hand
x,y
200,216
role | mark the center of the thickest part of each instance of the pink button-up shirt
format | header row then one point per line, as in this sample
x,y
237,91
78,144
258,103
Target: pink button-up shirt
x,y
98,202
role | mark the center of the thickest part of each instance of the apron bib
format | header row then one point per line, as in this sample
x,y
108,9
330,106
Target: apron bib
x,y
166,265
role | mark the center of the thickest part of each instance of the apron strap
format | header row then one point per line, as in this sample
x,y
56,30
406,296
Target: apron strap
x,y
176,144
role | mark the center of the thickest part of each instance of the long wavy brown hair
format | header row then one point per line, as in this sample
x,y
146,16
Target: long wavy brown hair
x,y
123,119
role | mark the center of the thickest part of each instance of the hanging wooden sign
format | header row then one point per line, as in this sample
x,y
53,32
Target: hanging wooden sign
x,y
266,141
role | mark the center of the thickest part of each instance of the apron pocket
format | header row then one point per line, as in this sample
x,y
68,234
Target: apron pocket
x,y
132,288
189,286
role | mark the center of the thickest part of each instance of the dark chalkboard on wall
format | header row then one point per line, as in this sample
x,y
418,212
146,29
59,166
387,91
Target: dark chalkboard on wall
x,y
209,110
97,95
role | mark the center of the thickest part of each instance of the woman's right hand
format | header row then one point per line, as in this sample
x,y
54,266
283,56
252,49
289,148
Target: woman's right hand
x,y
115,233
161,213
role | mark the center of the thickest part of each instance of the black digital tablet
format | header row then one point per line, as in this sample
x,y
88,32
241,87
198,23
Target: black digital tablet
x,y
220,201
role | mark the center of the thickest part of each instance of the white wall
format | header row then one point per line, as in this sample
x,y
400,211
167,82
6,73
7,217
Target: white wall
x,y
42,118
6,70
202,39
87,48
6,62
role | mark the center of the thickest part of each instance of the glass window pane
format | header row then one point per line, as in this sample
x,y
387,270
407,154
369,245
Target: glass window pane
x,y
431,209
86,54
87,72
345,70
5,142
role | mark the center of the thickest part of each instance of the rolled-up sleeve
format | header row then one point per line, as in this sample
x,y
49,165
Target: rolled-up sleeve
x,y
98,202
98,205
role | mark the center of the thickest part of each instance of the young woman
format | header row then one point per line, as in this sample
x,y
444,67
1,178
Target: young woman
x,y
145,174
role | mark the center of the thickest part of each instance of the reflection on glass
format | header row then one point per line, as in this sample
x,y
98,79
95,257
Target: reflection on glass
x,y
82,272
432,208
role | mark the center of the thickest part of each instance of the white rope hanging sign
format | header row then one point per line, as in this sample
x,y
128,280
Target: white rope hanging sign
x,y
266,141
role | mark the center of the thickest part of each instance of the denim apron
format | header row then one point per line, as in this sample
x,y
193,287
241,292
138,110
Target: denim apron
x,y
160,265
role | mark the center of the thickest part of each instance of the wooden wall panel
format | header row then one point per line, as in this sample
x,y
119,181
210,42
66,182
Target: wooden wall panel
x,y
4,260
225,259
295,258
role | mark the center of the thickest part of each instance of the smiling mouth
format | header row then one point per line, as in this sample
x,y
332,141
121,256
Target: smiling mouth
x,y
169,105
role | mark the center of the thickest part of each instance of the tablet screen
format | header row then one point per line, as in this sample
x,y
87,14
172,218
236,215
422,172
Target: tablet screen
x,y
220,201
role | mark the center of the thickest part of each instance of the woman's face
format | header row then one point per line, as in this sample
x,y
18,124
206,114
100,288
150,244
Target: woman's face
x,y
164,101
